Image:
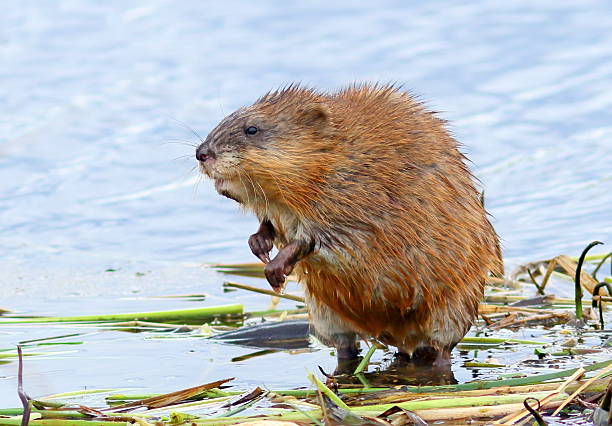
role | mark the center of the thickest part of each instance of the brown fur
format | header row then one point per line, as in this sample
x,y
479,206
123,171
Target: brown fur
x,y
402,242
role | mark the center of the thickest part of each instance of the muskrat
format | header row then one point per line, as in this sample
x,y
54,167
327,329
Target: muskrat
x,y
369,201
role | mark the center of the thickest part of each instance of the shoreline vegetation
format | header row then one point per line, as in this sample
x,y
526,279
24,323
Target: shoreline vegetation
x,y
574,382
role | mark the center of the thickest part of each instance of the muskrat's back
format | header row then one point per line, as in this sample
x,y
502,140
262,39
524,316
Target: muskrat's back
x,y
366,194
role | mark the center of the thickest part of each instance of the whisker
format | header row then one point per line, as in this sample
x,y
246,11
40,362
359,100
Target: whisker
x,y
180,142
187,174
197,184
190,172
188,127
264,194
246,191
182,156
278,186
253,185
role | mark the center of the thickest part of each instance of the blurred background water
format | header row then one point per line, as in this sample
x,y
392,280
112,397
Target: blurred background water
x,y
93,97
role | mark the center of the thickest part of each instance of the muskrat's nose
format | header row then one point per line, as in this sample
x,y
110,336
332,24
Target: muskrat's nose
x,y
203,153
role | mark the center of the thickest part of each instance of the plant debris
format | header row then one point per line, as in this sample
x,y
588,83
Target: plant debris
x,y
565,378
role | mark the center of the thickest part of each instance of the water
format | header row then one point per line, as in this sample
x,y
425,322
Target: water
x,y
93,95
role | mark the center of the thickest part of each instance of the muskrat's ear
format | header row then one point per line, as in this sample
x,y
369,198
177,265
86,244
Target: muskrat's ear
x,y
314,114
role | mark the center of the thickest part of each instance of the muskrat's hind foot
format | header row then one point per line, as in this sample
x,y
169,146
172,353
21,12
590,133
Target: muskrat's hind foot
x,y
427,355
346,366
347,352
416,372
347,355
443,359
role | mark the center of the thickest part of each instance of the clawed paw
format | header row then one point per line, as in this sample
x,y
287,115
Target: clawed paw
x,y
276,272
261,244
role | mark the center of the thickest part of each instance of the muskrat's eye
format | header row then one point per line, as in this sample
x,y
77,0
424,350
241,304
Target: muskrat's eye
x,y
251,130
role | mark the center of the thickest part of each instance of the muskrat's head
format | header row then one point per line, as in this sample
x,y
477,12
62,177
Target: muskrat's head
x,y
261,152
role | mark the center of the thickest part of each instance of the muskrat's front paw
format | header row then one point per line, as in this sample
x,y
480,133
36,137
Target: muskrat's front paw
x,y
261,244
276,272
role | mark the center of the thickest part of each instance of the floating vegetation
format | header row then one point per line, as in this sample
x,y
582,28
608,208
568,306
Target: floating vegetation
x,y
565,373
182,316
212,404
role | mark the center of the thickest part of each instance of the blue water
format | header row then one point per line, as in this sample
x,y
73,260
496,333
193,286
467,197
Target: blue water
x,y
93,97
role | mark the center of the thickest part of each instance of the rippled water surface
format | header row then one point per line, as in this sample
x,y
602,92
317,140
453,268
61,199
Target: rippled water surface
x,y
93,97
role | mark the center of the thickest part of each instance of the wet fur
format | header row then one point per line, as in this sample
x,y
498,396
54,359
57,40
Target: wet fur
x,y
402,244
